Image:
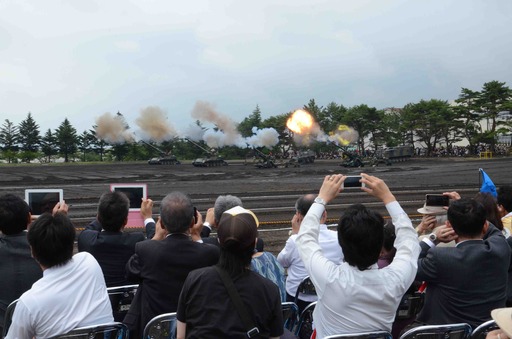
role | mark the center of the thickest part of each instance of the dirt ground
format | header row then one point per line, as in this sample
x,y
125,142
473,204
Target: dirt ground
x,y
271,193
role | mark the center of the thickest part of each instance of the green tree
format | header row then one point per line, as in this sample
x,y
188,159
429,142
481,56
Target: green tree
x,y
29,138
49,145
278,122
429,120
253,120
86,143
98,145
9,137
467,117
67,139
330,117
365,121
494,98
314,109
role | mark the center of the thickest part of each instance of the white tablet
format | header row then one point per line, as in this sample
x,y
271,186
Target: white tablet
x,y
134,192
43,200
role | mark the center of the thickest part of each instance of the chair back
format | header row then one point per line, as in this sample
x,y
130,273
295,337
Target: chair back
x,y
362,335
410,305
8,317
305,287
481,331
121,298
113,330
162,326
290,314
450,331
305,324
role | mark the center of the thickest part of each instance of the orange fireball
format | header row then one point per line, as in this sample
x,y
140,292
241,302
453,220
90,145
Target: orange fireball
x,y
300,122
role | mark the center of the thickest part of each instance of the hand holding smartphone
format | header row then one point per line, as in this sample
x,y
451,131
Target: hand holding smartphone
x,y
352,181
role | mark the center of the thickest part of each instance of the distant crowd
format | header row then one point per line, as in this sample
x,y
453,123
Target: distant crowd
x,y
212,270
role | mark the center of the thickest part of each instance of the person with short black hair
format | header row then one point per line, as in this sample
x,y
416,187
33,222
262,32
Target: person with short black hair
x,y
346,290
161,266
289,256
72,291
465,282
106,240
17,267
205,308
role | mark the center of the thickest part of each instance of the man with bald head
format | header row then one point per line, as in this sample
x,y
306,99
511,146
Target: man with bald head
x,y
289,257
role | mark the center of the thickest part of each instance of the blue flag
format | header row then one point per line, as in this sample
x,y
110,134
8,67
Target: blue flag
x,y
487,184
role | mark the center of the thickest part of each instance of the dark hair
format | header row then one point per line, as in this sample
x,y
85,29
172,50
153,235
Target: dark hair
x,y
235,263
51,239
14,214
176,212
360,235
505,197
491,208
467,217
113,210
303,204
389,236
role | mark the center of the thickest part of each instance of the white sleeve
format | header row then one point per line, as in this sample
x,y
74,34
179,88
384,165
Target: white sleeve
x,y
21,326
285,257
317,265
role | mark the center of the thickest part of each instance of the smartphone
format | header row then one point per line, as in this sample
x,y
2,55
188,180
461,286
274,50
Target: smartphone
x,y
437,200
195,215
352,181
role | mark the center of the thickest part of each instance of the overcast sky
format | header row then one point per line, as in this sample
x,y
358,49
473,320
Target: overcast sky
x,y
81,58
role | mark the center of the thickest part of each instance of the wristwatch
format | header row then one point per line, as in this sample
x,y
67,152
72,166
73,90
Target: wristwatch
x,y
320,201
432,237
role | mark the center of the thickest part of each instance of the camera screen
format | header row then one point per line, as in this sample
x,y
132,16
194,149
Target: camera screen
x,y
42,202
134,194
352,181
437,200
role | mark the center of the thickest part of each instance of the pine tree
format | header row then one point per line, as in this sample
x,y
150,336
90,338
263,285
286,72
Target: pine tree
x,y
67,139
29,138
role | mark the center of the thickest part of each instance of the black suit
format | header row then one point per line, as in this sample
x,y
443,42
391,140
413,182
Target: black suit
x,y
160,268
18,270
112,250
466,282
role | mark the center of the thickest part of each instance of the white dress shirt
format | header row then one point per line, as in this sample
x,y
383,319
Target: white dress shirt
x,y
350,300
66,297
290,259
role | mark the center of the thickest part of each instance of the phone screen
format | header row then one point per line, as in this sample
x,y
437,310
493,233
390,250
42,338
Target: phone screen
x,y
352,181
437,200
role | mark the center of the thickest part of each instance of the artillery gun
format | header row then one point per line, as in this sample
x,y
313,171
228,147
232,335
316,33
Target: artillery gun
x,y
212,157
264,161
165,158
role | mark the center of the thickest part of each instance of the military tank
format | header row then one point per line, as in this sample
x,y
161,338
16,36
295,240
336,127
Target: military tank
x,y
165,158
212,158
264,160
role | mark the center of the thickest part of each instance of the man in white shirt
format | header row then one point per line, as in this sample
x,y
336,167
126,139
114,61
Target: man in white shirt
x,y
72,292
356,296
290,259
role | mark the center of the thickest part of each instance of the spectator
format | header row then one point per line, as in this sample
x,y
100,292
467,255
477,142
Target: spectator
x,y
105,240
289,256
266,264
205,308
345,291
464,283
161,266
222,204
17,267
505,206
72,291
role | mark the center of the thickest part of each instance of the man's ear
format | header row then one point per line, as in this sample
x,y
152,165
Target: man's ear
x,y
485,228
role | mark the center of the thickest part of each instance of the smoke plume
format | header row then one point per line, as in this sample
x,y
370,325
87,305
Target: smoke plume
x,y
113,129
154,125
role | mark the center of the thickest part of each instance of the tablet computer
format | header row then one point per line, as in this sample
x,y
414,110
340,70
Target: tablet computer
x,y
135,193
41,200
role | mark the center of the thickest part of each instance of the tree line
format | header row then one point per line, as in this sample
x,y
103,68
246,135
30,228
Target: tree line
x,y
478,117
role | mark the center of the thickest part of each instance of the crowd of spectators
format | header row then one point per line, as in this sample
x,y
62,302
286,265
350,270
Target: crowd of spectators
x,y
225,285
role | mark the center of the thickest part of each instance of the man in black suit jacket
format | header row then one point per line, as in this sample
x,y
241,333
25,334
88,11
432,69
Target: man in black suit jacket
x,y
17,267
160,267
465,282
105,240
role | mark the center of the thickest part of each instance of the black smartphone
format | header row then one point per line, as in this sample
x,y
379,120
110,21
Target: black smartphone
x,y
195,215
437,200
352,181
